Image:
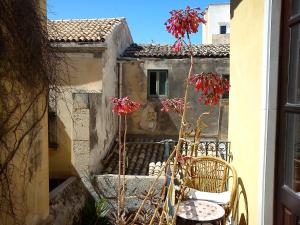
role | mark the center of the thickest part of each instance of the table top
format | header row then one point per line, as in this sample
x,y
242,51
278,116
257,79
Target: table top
x,y
199,210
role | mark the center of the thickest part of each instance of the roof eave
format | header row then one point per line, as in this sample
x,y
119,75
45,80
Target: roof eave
x,y
143,58
81,46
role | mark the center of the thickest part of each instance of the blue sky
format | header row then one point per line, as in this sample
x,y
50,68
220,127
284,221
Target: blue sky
x,y
145,18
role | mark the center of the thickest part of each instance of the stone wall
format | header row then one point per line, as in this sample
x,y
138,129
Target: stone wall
x,y
105,128
220,38
67,202
150,120
136,186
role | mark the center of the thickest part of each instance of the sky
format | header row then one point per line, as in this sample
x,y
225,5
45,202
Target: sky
x,y
145,18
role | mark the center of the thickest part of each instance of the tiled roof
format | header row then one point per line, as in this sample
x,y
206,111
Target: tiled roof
x,y
81,30
144,155
165,51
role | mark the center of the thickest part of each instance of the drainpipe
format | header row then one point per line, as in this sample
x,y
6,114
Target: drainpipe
x,y
120,64
120,94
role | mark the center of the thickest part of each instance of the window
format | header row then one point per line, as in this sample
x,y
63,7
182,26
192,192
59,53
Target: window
x,y
52,130
223,29
157,83
52,120
226,94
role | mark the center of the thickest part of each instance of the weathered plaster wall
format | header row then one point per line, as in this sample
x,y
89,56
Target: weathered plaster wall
x,y
106,123
150,119
83,74
86,124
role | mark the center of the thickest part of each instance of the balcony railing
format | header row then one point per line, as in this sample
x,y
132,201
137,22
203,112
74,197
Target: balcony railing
x,y
211,148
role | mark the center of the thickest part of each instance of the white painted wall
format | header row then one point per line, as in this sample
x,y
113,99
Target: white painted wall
x,y
216,15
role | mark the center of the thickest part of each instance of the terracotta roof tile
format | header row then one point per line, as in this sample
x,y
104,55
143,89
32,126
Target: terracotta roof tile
x,y
165,51
81,30
145,155
142,154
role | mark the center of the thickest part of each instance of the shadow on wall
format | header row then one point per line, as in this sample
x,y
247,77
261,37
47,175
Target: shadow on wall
x,y
233,5
240,213
60,166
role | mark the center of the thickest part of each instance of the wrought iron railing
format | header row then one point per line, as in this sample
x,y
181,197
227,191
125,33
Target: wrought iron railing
x,y
211,148
203,148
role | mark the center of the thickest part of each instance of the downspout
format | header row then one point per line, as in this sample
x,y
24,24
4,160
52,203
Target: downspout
x,y
120,79
120,91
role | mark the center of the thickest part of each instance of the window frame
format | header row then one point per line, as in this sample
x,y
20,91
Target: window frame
x,y
225,96
157,83
223,25
52,130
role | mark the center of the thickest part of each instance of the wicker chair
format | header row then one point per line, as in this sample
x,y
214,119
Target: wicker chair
x,y
214,175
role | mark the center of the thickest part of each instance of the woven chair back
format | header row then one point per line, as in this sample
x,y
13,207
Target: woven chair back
x,y
209,174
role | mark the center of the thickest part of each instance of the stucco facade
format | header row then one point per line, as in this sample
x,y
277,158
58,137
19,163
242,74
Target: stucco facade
x,y
149,119
216,15
86,126
27,171
246,101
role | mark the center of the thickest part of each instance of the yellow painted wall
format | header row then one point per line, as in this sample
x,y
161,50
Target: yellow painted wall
x,y
82,71
29,186
246,49
37,198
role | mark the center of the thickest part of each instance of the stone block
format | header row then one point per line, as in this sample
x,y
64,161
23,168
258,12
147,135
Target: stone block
x,y
135,187
81,128
67,202
81,147
81,159
81,101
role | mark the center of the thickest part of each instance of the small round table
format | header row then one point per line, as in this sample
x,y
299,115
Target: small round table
x,y
198,211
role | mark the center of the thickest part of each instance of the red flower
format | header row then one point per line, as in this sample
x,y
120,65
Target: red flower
x,y
184,21
211,85
182,158
174,105
177,46
124,105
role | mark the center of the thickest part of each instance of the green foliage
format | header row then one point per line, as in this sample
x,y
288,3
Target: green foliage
x,y
102,208
94,213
